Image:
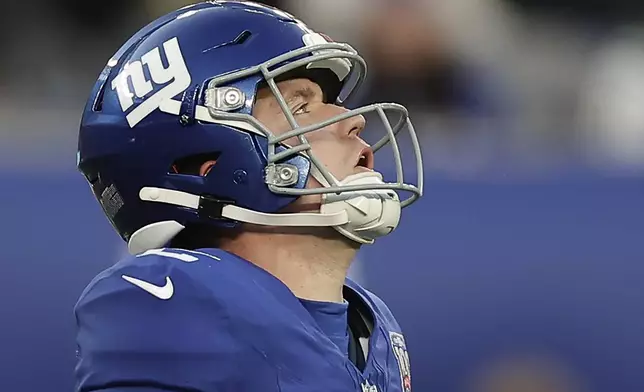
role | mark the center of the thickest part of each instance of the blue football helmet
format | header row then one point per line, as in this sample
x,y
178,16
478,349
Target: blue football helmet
x,y
184,87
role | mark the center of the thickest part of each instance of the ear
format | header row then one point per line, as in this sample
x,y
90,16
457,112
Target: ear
x,y
205,167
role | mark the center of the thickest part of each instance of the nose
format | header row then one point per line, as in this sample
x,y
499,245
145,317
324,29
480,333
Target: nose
x,y
351,126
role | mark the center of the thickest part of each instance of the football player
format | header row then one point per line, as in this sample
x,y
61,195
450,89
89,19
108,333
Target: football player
x,y
217,144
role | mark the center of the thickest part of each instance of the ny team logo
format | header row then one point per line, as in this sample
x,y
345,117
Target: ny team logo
x,y
368,387
400,351
165,83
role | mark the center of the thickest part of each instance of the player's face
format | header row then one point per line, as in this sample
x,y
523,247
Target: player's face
x,y
338,146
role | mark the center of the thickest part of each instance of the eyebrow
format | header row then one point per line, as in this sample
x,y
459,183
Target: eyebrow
x,y
305,93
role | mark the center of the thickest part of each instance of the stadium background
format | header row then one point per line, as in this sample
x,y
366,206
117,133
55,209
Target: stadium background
x,y
520,270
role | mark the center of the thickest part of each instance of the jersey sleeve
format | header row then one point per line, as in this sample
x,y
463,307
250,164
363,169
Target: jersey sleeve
x,y
149,327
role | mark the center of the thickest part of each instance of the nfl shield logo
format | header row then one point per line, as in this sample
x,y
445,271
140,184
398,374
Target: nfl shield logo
x,y
367,387
399,348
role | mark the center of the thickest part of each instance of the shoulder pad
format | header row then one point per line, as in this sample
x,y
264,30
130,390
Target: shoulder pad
x,y
156,317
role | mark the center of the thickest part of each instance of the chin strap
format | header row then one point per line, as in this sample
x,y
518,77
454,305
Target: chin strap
x,y
359,215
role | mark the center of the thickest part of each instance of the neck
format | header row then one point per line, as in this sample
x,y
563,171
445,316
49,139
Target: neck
x,y
312,267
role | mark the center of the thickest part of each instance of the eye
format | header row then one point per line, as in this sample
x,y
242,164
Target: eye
x,y
302,109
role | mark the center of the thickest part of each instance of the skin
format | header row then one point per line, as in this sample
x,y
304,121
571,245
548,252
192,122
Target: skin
x,y
311,262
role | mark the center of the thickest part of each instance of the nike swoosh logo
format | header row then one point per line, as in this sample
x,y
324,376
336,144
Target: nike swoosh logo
x,y
162,292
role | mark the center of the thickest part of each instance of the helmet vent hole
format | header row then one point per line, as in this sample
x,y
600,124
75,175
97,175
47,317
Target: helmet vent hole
x,y
242,37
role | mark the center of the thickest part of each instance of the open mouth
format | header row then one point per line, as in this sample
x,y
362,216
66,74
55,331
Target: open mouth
x,y
365,159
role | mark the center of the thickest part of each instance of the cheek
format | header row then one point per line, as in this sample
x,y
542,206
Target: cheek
x,y
277,125
326,149
326,146
333,156
273,120
315,138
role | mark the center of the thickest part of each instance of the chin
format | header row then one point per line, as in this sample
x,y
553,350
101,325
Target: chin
x,y
332,234
362,169
349,243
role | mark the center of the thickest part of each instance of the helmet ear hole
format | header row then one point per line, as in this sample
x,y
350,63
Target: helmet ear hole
x,y
205,167
194,165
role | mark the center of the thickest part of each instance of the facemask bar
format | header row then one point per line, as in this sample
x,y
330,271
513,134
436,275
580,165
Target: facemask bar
x,y
328,51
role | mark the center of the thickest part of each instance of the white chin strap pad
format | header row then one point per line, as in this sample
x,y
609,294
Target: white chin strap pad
x,y
371,213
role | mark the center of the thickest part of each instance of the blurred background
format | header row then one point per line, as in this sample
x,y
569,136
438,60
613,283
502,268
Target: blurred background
x,y
521,270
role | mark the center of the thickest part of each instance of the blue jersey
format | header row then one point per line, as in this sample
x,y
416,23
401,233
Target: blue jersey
x,y
206,321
